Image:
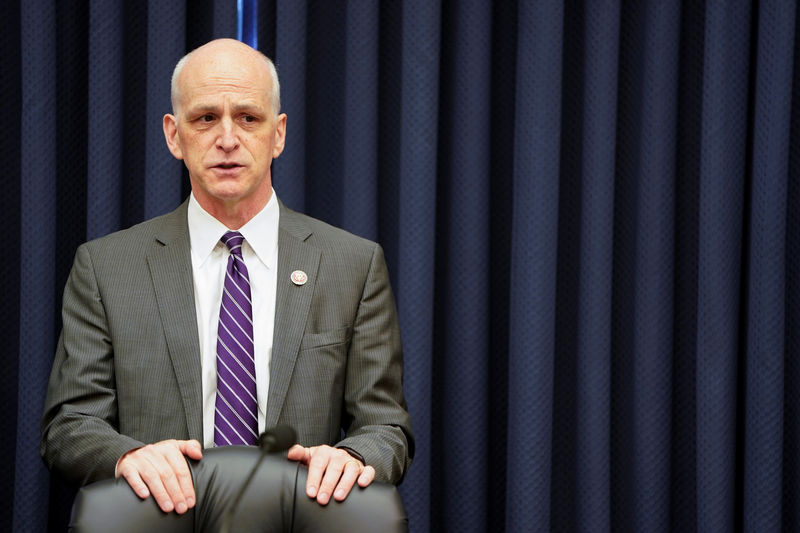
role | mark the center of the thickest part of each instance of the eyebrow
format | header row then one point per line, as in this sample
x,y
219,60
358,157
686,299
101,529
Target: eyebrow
x,y
245,106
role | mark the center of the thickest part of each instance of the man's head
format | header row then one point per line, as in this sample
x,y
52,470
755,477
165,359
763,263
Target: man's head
x,y
275,93
226,127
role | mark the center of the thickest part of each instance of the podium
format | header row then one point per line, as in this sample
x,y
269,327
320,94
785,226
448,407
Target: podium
x,y
275,501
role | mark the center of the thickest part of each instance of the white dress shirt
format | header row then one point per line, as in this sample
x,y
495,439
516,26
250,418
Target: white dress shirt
x,y
209,261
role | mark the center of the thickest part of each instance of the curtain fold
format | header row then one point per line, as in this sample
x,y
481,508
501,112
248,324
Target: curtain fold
x,y
644,263
464,160
586,245
106,138
590,213
534,246
765,293
165,41
408,167
791,436
34,253
357,196
289,27
10,201
721,174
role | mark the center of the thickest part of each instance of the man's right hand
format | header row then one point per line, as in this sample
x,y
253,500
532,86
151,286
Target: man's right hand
x,y
160,469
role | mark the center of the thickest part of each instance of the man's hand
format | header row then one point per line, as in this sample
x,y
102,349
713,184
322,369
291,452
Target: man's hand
x,y
160,469
331,471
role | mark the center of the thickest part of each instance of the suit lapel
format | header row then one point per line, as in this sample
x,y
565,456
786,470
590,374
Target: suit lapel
x,y
291,307
171,271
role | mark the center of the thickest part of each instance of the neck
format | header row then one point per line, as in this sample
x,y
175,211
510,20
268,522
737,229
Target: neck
x,y
236,213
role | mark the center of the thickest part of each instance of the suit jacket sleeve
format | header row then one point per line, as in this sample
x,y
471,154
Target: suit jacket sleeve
x,y
79,426
376,423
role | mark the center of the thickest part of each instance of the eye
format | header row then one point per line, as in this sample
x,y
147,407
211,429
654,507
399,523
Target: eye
x,y
207,118
249,118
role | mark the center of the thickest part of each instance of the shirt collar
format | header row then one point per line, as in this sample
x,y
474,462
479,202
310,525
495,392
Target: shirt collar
x,y
260,232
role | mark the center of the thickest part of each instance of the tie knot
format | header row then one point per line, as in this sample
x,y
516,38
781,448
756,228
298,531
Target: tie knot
x,y
233,240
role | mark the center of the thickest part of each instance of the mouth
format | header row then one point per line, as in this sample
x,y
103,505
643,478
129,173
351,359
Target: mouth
x,y
227,166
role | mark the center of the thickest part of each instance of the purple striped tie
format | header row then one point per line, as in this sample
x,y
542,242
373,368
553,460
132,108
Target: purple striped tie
x,y
236,418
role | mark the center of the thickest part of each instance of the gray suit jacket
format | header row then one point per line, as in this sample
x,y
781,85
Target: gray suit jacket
x,y
127,366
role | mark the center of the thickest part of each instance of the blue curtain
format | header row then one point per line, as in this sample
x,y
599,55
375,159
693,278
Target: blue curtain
x,y
590,210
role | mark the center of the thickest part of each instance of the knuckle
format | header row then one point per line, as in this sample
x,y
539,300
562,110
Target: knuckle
x,y
318,460
175,490
159,492
164,471
331,479
136,482
149,473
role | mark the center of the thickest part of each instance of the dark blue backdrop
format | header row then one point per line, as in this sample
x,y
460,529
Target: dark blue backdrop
x,y
591,213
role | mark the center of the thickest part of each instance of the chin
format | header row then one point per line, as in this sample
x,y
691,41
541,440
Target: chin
x,y
229,190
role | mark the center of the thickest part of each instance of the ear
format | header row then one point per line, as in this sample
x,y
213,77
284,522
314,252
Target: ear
x,y
170,125
280,136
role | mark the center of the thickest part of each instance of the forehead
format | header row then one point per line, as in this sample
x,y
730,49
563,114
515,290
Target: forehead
x,y
236,76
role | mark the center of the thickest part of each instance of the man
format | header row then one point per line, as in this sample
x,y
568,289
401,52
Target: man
x,y
153,315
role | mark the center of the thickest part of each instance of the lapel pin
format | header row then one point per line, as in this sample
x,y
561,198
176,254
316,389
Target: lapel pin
x,y
299,277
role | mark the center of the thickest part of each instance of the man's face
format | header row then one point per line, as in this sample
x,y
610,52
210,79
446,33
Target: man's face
x,y
225,129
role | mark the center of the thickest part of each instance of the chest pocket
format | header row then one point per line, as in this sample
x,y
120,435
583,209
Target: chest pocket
x,y
326,338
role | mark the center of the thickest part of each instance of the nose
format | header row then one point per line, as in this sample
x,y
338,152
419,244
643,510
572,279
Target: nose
x,y
227,140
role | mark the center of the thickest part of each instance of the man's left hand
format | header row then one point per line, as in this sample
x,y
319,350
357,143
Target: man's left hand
x,y
331,471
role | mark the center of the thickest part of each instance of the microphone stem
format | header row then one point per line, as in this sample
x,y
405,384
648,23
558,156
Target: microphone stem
x,y
228,518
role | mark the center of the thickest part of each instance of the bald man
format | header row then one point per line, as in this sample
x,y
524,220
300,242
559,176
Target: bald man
x,y
227,316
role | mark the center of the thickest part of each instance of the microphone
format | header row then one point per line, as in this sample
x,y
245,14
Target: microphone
x,y
277,439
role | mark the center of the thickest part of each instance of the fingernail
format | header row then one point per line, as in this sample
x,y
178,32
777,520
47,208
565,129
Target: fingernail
x,y
339,494
311,491
323,498
180,508
190,502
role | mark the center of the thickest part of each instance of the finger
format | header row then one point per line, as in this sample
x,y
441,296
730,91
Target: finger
x,y
333,474
173,488
351,471
161,470
185,487
367,476
135,481
146,465
298,453
191,449
161,461
316,468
